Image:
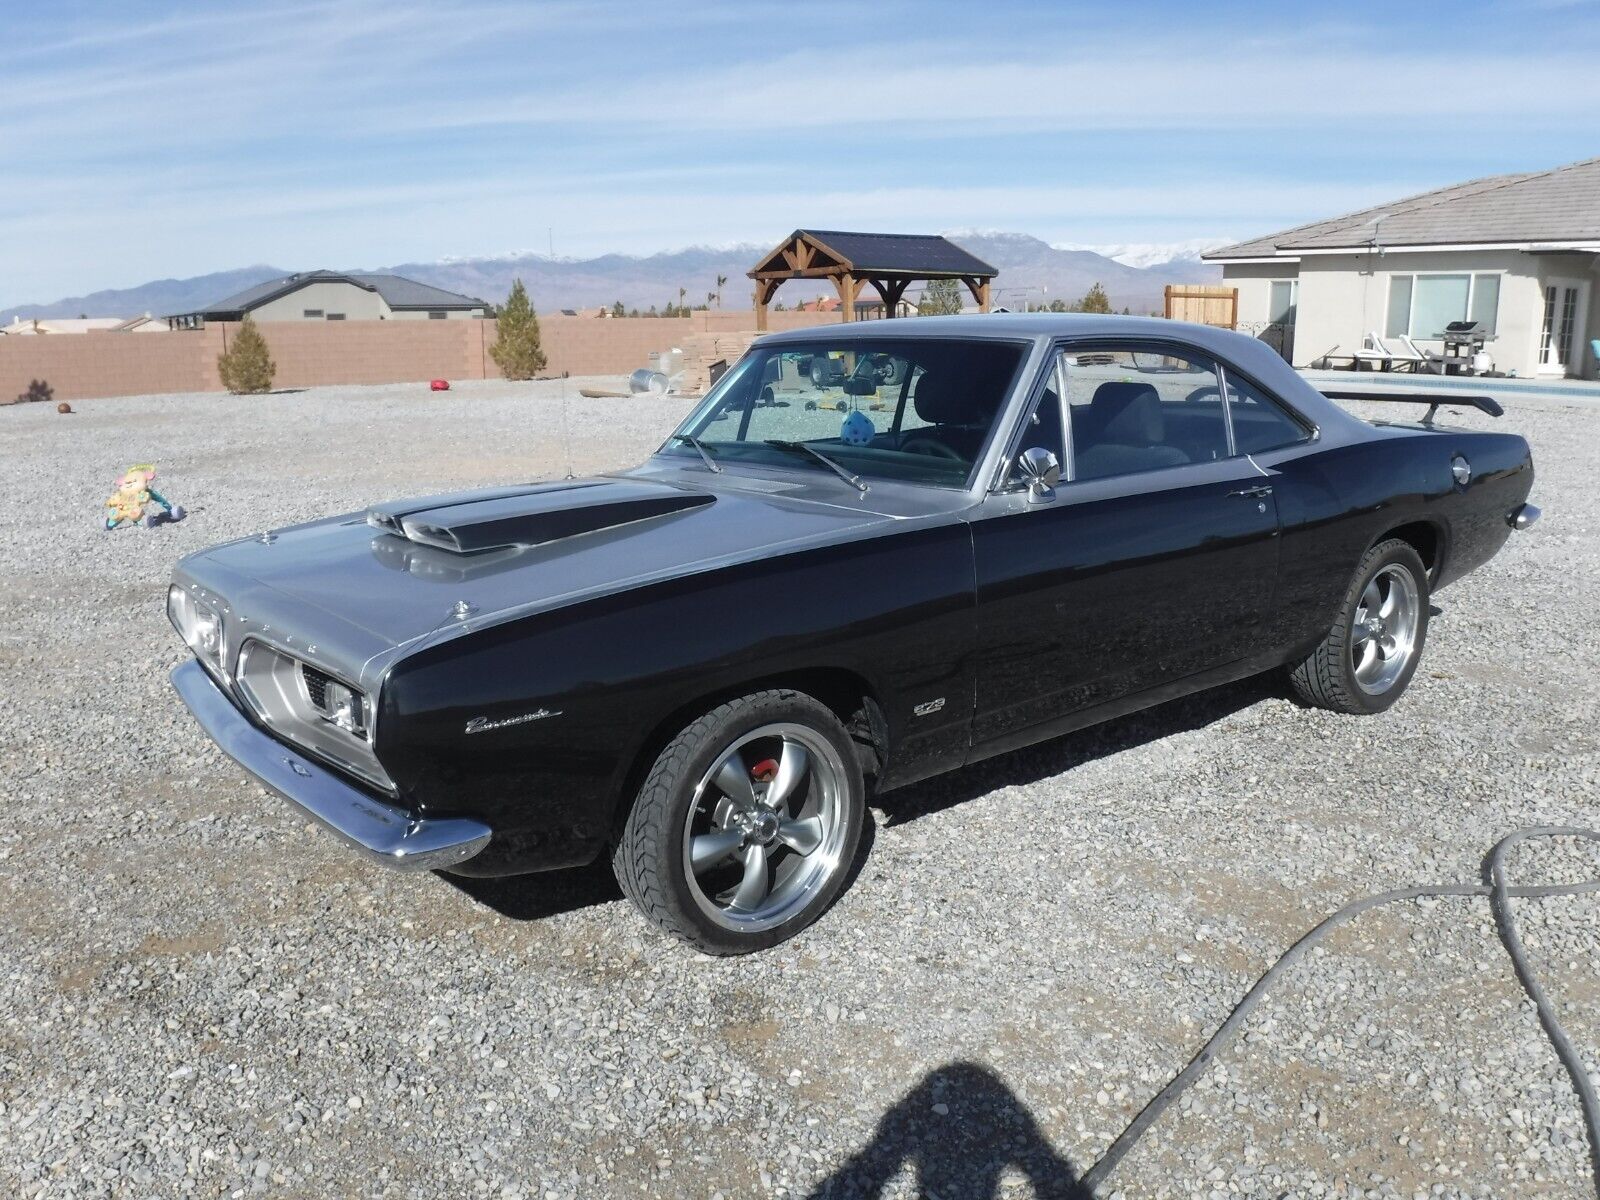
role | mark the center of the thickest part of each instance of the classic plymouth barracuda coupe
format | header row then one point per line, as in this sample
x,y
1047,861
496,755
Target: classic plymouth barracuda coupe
x,y
966,535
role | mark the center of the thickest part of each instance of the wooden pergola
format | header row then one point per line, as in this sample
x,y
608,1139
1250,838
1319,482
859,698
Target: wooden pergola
x,y
888,261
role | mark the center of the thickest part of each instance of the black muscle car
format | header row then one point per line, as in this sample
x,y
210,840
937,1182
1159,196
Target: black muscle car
x,y
965,535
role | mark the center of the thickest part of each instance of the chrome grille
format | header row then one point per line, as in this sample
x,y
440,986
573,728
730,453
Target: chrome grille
x,y
316,686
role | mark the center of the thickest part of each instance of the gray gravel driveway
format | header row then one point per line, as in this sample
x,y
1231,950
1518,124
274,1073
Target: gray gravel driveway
x,y
201,995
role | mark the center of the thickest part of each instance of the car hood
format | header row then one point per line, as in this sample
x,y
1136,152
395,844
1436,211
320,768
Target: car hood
x,y
359,587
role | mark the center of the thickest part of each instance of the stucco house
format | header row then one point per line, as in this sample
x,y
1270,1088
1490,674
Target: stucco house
x,y
1520,254
337,296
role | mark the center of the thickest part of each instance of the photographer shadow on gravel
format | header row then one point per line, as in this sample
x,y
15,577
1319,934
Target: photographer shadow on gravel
x,y
960,1130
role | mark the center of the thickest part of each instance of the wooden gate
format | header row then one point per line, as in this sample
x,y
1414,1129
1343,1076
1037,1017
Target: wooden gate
x,y
1203,303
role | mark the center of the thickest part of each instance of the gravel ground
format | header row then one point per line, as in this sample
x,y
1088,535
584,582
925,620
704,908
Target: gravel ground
x,y
201,995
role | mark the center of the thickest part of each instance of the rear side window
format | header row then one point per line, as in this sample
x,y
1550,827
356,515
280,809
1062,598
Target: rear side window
x,y
1259,422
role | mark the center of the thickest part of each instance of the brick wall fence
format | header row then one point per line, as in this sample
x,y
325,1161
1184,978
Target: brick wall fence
x,y
308,353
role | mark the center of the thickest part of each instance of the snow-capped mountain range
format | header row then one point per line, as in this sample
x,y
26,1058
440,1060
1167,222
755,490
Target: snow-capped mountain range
x,y
1031,272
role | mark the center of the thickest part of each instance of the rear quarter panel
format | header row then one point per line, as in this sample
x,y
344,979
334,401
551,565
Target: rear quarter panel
x,y
1335,502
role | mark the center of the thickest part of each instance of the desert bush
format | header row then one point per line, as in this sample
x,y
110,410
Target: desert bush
x,y
245,366
516,349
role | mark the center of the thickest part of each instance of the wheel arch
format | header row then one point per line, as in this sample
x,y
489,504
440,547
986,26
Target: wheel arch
x,y
1428,538
849,695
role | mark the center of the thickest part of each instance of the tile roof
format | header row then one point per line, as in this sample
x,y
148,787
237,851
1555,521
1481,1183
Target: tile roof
x,y
396,290
1559,205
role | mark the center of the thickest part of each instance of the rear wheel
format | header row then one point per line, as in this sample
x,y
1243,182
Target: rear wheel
x,y
1367,659
746,824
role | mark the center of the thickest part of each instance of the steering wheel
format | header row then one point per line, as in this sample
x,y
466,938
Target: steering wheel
x,y
930,447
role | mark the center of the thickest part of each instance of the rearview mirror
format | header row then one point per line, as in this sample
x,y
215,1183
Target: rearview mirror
x,y
860,386
1042,470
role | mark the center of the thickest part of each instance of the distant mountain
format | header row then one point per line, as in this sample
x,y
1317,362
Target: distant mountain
x,y
639,282
160,298
1151,255
1035,271
1031,271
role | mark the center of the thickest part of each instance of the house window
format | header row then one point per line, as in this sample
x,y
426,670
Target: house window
x,y
335,316
312,314
1422,305
438,315
1282,301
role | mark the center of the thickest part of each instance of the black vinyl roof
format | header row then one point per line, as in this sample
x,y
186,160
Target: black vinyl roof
x,y
916,254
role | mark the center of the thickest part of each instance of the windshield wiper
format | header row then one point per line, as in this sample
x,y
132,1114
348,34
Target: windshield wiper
x,y
808,449
705,455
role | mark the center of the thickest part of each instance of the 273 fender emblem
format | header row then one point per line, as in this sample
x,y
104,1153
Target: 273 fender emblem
x,y
928,708
481,724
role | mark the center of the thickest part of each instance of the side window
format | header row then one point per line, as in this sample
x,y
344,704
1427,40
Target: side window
x,y
1258,421
1142,410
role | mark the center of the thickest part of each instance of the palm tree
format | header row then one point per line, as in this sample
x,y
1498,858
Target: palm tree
x,y
721,280
682,292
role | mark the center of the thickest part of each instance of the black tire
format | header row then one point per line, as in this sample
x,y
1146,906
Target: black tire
x,y
1327,678
650,860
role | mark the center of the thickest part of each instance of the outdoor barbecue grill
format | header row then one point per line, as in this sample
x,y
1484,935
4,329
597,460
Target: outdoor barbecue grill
x,y
1463,341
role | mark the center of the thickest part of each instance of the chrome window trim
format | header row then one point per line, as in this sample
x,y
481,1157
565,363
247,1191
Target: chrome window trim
x,y
1309,430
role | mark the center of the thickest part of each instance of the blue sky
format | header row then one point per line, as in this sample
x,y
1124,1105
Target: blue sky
x,y
140,142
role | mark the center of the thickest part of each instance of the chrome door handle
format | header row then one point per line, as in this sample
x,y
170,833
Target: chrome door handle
x,y
1257,491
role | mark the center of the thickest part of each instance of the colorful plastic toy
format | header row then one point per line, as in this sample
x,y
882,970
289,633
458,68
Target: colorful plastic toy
x,y
130,504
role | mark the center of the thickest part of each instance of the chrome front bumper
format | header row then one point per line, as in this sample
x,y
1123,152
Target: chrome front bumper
x,y
385,834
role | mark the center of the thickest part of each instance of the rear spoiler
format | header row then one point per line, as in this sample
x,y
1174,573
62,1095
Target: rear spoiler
x,y
1434,400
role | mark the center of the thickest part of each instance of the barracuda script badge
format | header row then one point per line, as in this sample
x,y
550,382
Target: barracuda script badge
x,y
482,724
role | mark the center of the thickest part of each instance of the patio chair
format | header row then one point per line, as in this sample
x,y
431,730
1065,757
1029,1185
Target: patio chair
x,y
1416,357
1373,351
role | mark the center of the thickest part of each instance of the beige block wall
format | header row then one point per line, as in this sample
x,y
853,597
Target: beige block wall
x,y
309,353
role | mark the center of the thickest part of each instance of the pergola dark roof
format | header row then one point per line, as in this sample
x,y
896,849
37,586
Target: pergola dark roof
x,y
888,261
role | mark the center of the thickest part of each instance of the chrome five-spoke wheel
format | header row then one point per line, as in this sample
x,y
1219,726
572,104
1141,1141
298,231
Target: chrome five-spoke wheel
x,y
1384,632
744,828
1367,658
766,827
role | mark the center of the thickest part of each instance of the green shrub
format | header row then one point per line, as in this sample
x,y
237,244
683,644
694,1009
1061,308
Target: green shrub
x,y
245,367
516,349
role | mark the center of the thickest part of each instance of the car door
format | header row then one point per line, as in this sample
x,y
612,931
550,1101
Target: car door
x,y
1153,560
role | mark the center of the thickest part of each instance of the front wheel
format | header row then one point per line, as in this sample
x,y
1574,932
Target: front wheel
x,y
1368,658
746,824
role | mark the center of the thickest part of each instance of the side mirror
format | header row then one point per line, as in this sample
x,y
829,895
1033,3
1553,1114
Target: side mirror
x,y
1042,471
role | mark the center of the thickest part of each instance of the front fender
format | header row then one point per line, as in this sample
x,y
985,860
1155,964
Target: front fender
x,y
562,704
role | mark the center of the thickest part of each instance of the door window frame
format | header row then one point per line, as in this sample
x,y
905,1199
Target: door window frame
x,y
1054,374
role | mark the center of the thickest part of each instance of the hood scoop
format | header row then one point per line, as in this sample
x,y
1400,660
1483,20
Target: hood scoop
x,y
501,518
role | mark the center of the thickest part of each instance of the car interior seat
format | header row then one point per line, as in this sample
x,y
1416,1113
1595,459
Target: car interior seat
x,y
954,410
1122,429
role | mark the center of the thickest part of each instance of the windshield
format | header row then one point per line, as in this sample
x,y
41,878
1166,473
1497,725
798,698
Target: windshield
x,y
908,409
